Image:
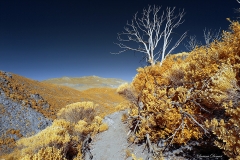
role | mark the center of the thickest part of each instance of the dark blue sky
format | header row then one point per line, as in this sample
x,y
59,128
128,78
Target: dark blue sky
x,y
42,39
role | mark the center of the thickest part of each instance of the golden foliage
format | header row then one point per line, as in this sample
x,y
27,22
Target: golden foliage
x,y
122,87
175,99
126,90
135,158
103,127
56,134
128,153
124,117
16,132
63,139
228,132
46,153
78,111
160,112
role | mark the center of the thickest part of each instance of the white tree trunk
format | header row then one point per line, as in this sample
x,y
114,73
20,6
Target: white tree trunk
x,y
147,32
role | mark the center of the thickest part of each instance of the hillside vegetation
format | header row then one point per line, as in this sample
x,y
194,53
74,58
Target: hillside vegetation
x,y
191,97
27,91
28,107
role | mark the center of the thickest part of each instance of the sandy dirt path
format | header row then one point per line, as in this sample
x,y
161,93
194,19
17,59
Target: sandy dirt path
x,y
112,144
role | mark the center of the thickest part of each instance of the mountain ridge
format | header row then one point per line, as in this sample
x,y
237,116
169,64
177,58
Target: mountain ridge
x,y
86,82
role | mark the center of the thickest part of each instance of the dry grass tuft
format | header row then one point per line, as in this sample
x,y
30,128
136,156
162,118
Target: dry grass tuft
x,y
128,153
124,117
78,111
103,127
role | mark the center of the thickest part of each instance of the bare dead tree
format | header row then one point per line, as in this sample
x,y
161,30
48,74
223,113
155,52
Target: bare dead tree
x,y
192,43
237,10
210,36
149,30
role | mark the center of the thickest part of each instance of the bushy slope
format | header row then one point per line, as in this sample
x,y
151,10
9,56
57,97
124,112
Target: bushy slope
x,y
190,97
28,106
52,97
17,119
66,138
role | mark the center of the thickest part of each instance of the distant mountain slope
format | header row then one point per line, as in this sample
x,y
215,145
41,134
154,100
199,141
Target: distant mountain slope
x,y
28,106
83,83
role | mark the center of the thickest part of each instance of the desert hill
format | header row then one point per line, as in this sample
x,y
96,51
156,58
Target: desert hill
x,y
28,106
86,82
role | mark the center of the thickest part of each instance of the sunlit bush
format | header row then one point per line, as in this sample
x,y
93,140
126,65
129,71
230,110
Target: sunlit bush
x,y
64,138
78,111
175,99
46,153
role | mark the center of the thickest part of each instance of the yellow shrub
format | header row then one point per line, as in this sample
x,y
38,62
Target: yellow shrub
x,y
122,87
81,126
103,127
135,158
63,139
175,99
98,120
127,91
46,153
227,132
55,135
78,111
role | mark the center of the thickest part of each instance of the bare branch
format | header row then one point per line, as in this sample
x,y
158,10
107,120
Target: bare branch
x,y
210,36
192,43
181,126
147,32
128,48
237,11
172,22
190,116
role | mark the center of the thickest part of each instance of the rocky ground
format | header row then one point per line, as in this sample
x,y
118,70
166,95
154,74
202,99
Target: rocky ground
x,y
17,120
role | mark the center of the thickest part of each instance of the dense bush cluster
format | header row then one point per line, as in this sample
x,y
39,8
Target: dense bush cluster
x,y
78,111
66,138
190,96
